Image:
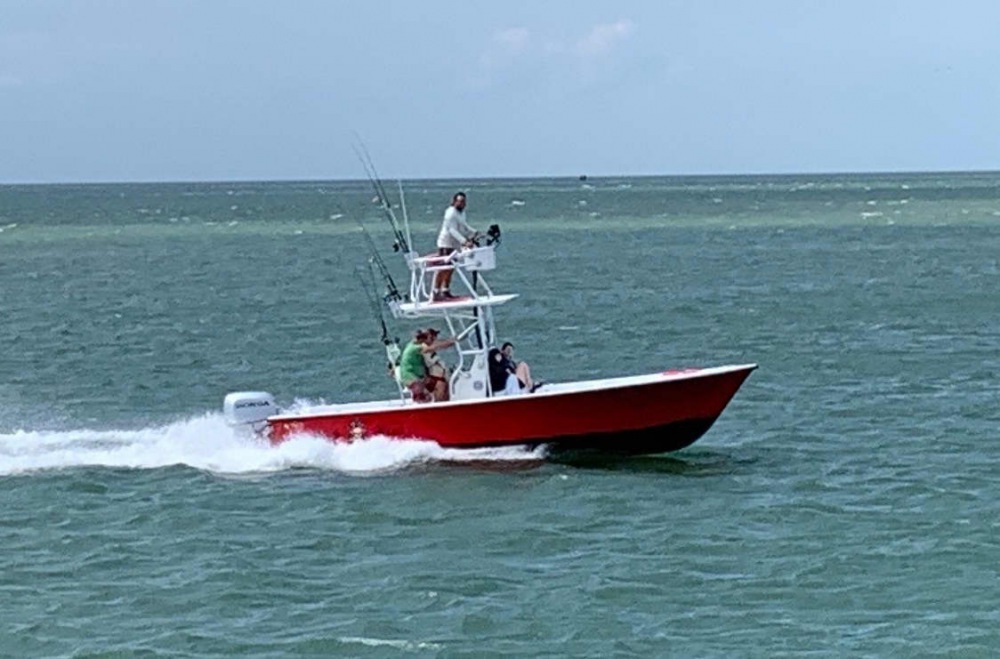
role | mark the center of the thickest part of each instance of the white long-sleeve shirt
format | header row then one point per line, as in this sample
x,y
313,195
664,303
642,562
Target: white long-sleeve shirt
x,y
454,229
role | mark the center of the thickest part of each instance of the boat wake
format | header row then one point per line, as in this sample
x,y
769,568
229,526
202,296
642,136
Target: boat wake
x,y
209,444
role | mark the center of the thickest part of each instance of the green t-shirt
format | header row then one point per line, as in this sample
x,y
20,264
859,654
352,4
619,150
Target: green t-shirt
x,y
411,363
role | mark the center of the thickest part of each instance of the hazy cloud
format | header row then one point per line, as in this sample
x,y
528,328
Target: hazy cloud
x,y
517,43
506,46
604,37
513,40
516,54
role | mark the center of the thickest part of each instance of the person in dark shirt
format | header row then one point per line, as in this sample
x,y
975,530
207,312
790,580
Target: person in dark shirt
x,y
503,380
507,376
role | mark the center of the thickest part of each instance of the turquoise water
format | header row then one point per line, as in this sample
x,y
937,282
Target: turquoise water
x,y
844,504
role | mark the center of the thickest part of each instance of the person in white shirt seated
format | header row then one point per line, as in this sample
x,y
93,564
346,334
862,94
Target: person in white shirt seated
x,y
455,233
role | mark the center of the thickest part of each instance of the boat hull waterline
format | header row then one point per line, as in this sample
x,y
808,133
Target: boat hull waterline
x,y
647,414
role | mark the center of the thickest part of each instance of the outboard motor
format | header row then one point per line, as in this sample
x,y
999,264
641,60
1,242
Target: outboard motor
x,y
249,409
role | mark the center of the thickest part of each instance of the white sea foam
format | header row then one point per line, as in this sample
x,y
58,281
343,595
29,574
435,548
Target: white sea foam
x,y
392,643
207,443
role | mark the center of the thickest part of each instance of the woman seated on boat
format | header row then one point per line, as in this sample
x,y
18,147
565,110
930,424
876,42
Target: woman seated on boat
x,y
519,369
413,371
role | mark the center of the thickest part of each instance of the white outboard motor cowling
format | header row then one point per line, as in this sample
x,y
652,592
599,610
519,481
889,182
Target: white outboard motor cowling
x,y
248,408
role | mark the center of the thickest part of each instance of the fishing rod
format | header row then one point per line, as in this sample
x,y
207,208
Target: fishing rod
x,y
401,242
391,344
406,217
361,151
373,303
392,293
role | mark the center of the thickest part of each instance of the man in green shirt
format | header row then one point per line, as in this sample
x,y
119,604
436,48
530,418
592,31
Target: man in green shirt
x,y
413,370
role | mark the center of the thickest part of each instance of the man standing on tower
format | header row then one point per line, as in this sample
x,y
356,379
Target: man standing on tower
x,y
455,233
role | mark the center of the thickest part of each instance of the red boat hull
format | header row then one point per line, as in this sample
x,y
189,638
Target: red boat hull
x,y
650,414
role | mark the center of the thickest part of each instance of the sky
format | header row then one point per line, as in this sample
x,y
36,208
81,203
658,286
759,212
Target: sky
x,y
191,90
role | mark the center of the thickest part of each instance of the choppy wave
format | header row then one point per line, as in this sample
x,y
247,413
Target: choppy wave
x,y
207,443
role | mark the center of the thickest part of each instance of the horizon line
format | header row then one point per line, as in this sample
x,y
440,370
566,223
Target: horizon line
x,y
578,177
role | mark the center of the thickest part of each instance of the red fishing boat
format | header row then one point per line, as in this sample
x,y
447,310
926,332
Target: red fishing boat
x,y
654,413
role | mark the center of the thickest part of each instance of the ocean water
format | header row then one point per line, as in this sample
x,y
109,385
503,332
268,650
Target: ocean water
x,y
844,504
